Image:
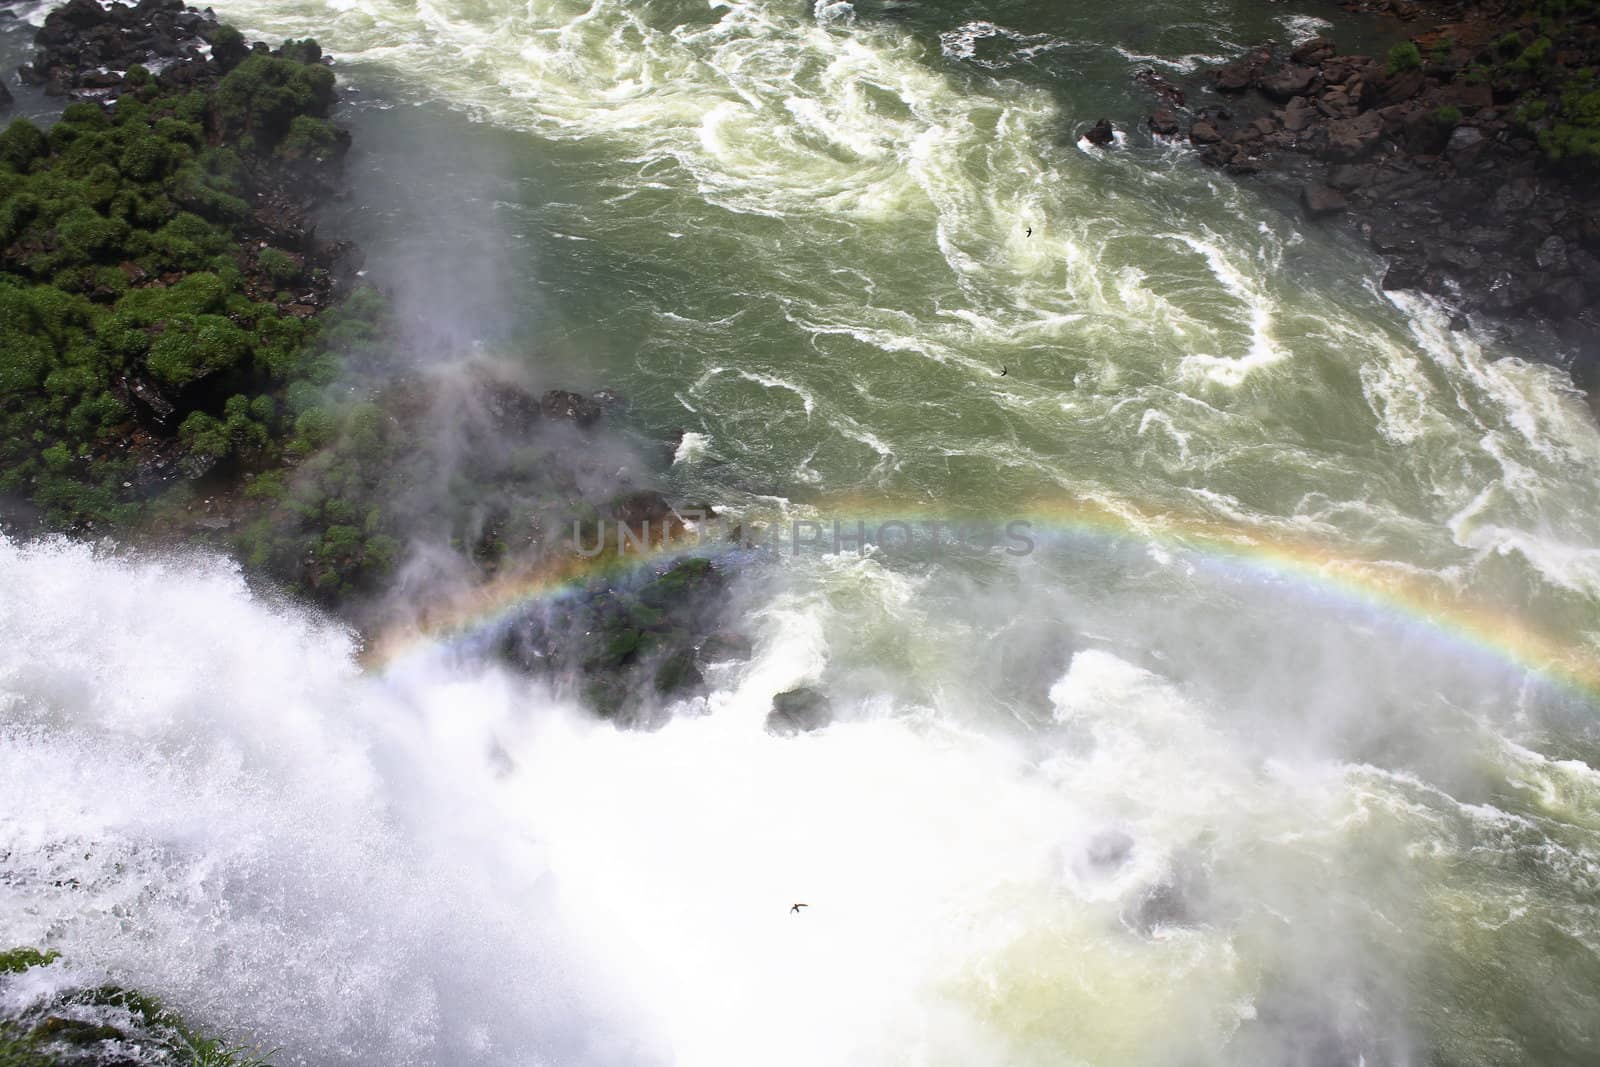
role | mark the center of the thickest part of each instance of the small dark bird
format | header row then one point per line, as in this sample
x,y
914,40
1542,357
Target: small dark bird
x,y
1003,371
794,909
1030,231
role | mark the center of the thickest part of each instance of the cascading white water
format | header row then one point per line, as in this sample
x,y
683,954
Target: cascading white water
x,y
201,795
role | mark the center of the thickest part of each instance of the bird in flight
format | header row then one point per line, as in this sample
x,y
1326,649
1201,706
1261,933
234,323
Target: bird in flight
x,y
794,909
1030,231
1003,370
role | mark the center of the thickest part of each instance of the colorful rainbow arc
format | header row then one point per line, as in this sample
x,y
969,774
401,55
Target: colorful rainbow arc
x,y
1393,592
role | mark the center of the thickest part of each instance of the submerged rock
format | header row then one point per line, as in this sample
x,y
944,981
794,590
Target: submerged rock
x,y
1109,849
1164,123
724,646
799,711
1101,134
573,407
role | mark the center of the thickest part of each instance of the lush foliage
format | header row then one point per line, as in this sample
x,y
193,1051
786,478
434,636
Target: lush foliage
x,y
151,349
1404,56
1575,133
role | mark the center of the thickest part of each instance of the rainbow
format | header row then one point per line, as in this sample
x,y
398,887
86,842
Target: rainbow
x,y
1384,589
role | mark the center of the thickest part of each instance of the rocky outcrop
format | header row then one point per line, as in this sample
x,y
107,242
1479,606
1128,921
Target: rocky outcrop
x,y
629,645
1460,157
83,45
799,711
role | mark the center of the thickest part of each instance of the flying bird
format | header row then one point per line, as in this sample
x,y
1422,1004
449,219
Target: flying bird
x,y
1030,231
1003,371
794,909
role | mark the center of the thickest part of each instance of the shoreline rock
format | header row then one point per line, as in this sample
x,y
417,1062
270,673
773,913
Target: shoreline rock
x,y
1462,157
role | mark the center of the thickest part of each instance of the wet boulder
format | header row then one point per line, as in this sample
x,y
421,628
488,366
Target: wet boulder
x,y
1314,51
1350,139
1101,134
725,646
1241,74
678,673
799,711
1169,93
1403,273
634,509
1164,123
1321,200
1288,82
571,407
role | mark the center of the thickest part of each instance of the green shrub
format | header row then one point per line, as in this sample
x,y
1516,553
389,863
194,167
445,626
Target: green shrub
x,y
87,236
17,960
279,268
195,346
1403,57
1533,58
1448,116
309,138
1575,134
261,97
21,143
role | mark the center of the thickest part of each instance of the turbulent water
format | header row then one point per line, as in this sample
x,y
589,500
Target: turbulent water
x,y
1126,800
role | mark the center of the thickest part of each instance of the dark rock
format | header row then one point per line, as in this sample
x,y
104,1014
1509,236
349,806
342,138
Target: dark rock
x,y
1168,92
1204,133
6,99
1403,274
1464,140
1287,82
1101,134
725,645
1506,294
1350,139
1164,123
1313,51
1468,97
1401,87
1516,195
574,407
678,673
799,711
1241,74
1552,254
1348,176
1461,258
1320,200
641,506
1298,119
1561,298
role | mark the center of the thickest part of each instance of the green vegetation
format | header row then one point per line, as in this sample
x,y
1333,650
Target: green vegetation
x,y
1403,57
1575,133
101,1024
17,960
1448,116
1533,58
147,350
